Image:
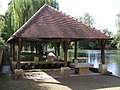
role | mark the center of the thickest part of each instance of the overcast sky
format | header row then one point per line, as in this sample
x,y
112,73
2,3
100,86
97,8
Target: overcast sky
x,y
103,11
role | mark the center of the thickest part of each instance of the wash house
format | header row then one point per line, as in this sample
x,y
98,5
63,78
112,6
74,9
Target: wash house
x,y
50,25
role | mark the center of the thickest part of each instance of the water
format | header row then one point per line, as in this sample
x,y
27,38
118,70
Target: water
x,y
112,58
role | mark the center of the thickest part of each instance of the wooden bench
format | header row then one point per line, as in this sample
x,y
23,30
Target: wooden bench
x,y
81,68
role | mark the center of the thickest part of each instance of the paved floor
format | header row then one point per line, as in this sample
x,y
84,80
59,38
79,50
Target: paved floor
x,y
51,80
49,73
93,81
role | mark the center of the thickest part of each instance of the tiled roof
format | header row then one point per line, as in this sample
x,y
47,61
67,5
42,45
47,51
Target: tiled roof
x,y
48,22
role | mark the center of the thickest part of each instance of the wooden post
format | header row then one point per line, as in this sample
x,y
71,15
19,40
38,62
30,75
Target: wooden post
x,y
103,43
13,50
65,57
32,47
56,49
18,54
10,49
75,51
58,46
40,50
36,49
65,44
45,47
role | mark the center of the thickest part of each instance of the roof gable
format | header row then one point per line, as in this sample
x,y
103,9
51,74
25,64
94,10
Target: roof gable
x,y
48,22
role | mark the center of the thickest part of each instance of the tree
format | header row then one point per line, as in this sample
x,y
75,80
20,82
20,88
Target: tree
x,y
116,40
87,19
2,22
109,43
19,11
118,22
106,31
116,37
2,25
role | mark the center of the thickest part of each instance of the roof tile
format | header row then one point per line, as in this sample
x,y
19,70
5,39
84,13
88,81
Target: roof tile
x,y
51,23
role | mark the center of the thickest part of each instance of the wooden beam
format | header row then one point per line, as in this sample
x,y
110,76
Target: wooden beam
x,y
58,46
10,49
13,50
75,50
103,43
65,45
18,54
40,46
31,47
36,48
45,47
57,49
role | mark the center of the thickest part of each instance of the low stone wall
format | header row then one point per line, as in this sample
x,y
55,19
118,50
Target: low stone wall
x,y
39,65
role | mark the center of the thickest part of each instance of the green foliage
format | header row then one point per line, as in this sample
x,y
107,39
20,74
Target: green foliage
x,y
2,42
2,25
86,44
87,19
19,11
116,37
118,22
27,56
2,22
110,43
106,31
116,40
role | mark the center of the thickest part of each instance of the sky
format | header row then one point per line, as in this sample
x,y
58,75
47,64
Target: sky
x,y
103,11
3,6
